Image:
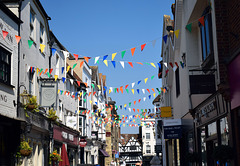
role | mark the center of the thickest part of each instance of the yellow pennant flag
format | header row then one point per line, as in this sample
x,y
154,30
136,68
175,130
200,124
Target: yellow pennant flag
x,y
106,62
37,70
176,33
58,90
42,46
109,91
68,68
145,80
80,94
90,101
123,125
154,94
56,77
125,105
99,87
133,91
153,65
113,55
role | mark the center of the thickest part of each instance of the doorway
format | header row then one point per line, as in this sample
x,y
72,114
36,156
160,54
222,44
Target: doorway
x,y
211,144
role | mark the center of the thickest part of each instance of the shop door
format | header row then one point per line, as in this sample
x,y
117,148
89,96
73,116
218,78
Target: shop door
x,y
210,146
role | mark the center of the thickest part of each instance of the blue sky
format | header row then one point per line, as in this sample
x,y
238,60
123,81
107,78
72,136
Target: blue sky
x,y
97,28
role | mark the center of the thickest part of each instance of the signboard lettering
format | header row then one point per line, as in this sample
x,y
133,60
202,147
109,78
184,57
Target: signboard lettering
x,y
172,132
3,98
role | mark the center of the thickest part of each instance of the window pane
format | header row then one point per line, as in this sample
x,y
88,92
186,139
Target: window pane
x,y
207,38
212,129
224,131
203,146
203,42
147,135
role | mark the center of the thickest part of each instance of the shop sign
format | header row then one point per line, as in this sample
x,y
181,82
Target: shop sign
x,y
172,122
204,111
94,135
108,134
3,98
166,112
172,132
67,136
82,142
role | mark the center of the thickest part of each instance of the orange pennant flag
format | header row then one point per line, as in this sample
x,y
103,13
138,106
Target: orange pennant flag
x,y
18,38
139,63
5,33
81,64
134,102
133,50
121,89
153,90
89,93
86,84
86,58
201,20
142,46
130,63
45,71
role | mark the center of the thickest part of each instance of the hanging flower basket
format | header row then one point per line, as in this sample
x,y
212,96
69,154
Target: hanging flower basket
x,y
54,156
31,107
53,118
54,159
25,152
52,115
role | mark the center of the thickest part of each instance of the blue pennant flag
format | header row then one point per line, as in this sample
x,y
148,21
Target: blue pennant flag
x,y
63,79
139,82
165,38
104,92
105,87
96,103
62,69
53,51
138,91
160,66
149,96
76,94
114,64
32,69
105,57
120,107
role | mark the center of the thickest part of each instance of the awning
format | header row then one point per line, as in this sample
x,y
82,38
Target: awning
x,y
105,154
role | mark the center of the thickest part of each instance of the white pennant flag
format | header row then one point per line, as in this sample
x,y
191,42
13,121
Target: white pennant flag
x,y
111,89
66,54
72,93
130,117
143,90
144,98
174,68
71,80
129,109
127,121
153,43
133,84
165,64
99,93
96,59
122,63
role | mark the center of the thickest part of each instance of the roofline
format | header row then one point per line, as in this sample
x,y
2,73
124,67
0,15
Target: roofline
x,y
43,10
8,12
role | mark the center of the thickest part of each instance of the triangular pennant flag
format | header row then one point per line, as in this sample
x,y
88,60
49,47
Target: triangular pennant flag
x,y
68,68
105,57
153,65
142,46
147,63
50,71
148,90
74,65
165,38
42,46
174,68
133,91
145,80
106,62
48,74
126,86
139,100
40,72
133,50
78,82
113,56
139,82
130,104
165,64
130,63
182,64
189,27
176,33
81,64
138,91
170,63
62,69
201,20
99,87
66,54
139,63
30,42
127,90
45,71
123,53
87,58
117,90
134,102
152,77
56,77
133,84
149,96
144,98
122,63
143,90
110,91
121,89
176,64
93,86
18,38
154,94
76,56
96,59
63,79
5,33
37,71
53,51
114,64
153,43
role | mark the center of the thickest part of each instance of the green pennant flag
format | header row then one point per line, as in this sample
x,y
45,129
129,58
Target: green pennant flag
x,y
157,89
48,74
115,90
127,90
147,63
123,53
61,92
152,77
142,110
30,42
159,92
84,93
74,65
116,107
84,100
130,104
93,86
189,27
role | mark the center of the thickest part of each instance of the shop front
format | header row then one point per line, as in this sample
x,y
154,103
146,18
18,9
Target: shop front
x,y
64,135
212,127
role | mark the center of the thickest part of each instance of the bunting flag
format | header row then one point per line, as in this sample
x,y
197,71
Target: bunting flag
x,y
152,77
133,50
76,56
201,20
170,63
50,71
165,38
114,64
145,80
63,79
45,71
106,62
130,63
123,53
153,65
96,59
113,56
56,77
189,27
53,51
42,46
126,86
133,84
176,33
143,90
139,82
133,91
139,63
142,46
121,89
86,58
105,57
30,43
74,65
81,64
18,38
5,33
68,68
62,69
78,82
122,63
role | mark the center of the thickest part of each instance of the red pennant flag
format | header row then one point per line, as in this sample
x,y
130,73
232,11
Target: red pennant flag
x,y
139,100
50,71
126,118
126,86
170,63
86,58
159,74
76,56
89,93
106,105
31,69
78,82
148,90
130,63
18,38
134,102
5,33
176,64
117,90
73,96
81,64
201,20
68,93
139,63
121,89
133,50
134,109
167,71
94,93
138,110
142,46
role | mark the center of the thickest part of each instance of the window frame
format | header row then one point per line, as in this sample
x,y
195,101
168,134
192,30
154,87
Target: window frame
x,y
149,136
177,80
41,32
8,66
148,148
32,24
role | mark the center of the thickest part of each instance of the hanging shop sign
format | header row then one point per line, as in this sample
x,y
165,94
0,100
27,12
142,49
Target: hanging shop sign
x,y
65,135
82,142
166,112
172,132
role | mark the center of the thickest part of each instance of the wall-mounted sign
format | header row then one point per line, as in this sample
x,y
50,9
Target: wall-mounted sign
x,y
94,135
172,132
3,98
166,112
82,142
